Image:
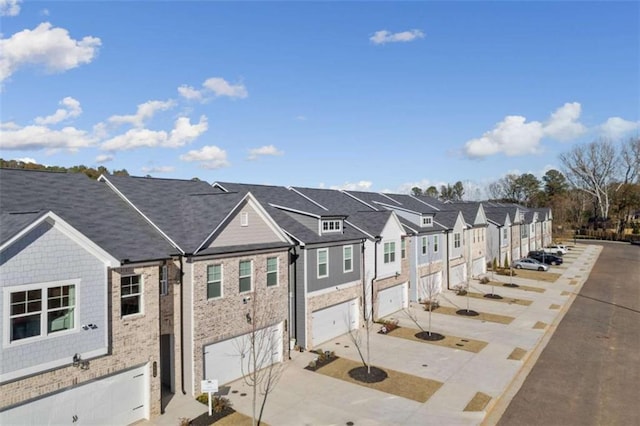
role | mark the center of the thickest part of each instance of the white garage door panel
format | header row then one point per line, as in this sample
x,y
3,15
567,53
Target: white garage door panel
x,y
431,283
478,267
222,361
334,321
458,275
117,400
392,300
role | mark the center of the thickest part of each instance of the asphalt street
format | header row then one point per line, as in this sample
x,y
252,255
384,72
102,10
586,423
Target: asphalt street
x,y
589,373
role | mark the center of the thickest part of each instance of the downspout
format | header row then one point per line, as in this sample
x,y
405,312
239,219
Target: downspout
x,y
160,328
184,392
375,269
448,262
364,279
293,306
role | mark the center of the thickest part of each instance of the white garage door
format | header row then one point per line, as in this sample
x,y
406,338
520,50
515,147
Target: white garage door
x,y
392,299
334,321
121,399
222,361
430,285
458,275
479,267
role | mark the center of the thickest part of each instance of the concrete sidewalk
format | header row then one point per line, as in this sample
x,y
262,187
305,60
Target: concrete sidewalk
x,y
303,397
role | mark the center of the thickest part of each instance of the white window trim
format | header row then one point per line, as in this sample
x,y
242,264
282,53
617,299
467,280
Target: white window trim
x,y
141,296
44,335
245,276
244,219
427,221
389,244
436,243
424,245
277,271
344,258
337,228
456,240
221,281
164,280
318,263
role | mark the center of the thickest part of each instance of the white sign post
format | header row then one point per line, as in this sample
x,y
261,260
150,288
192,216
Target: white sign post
x,y
209,386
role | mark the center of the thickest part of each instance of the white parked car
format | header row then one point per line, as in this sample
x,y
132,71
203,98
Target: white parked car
x,y
528,263
557,249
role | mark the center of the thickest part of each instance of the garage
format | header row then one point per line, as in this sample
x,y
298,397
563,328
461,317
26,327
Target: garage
x,y
222,360
120,399
430,286
478,267
458,275
334,321
392,299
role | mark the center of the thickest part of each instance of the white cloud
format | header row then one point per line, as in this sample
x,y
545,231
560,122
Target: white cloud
x,y
423,184
158,169
10,7
9,125
104,158
220,87
145,112
70,109
384,36
182,133
46,46
254,153
27,160
301,118
190,93
563,124
512,136
363,185
616,127
209,157
41,137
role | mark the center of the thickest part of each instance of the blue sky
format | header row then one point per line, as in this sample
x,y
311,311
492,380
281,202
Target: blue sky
x,y
366,95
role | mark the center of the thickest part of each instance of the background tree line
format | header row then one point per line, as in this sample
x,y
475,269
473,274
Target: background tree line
x,y
89,171
598,186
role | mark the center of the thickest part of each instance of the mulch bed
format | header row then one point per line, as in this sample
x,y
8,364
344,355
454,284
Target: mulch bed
x,y
517,354
509,300
368,375
452,342
482,316
322,360
478,403
205,419
397,383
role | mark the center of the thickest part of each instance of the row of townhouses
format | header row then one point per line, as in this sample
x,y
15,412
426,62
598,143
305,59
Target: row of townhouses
x,y
120,290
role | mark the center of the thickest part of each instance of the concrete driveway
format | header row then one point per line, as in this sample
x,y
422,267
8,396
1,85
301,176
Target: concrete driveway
x,y
303,397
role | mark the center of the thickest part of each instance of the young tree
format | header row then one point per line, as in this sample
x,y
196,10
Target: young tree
x,y
416,191
431,191
260,354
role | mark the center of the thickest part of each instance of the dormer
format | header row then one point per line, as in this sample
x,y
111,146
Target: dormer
x,y
331,225
426,221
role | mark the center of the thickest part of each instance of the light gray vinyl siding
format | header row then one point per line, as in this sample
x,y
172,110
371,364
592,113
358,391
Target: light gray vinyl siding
x,y
431,255
308,221
47,255
336,275
413,217
257,230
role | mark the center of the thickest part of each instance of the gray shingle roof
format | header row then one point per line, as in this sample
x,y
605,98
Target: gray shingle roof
x,y
89,206
275,198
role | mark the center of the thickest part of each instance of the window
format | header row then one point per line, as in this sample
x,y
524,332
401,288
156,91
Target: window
x,y
474,235
164,280
214,281
245,275
389,252
131,295
403,248
347,255
244,219
331,226
456,240
436,240
41,311
504,233
272,271
323,263
425,243
427,221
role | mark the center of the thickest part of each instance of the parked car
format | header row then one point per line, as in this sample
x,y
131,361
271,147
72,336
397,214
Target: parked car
x,y
528,263
549,259
555,249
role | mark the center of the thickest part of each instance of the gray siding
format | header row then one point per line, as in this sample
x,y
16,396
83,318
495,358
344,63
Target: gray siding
x,y
309,222
256,232
431,255
45,255
336,275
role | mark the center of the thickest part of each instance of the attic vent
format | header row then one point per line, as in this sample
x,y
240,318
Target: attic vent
x,y
244,219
